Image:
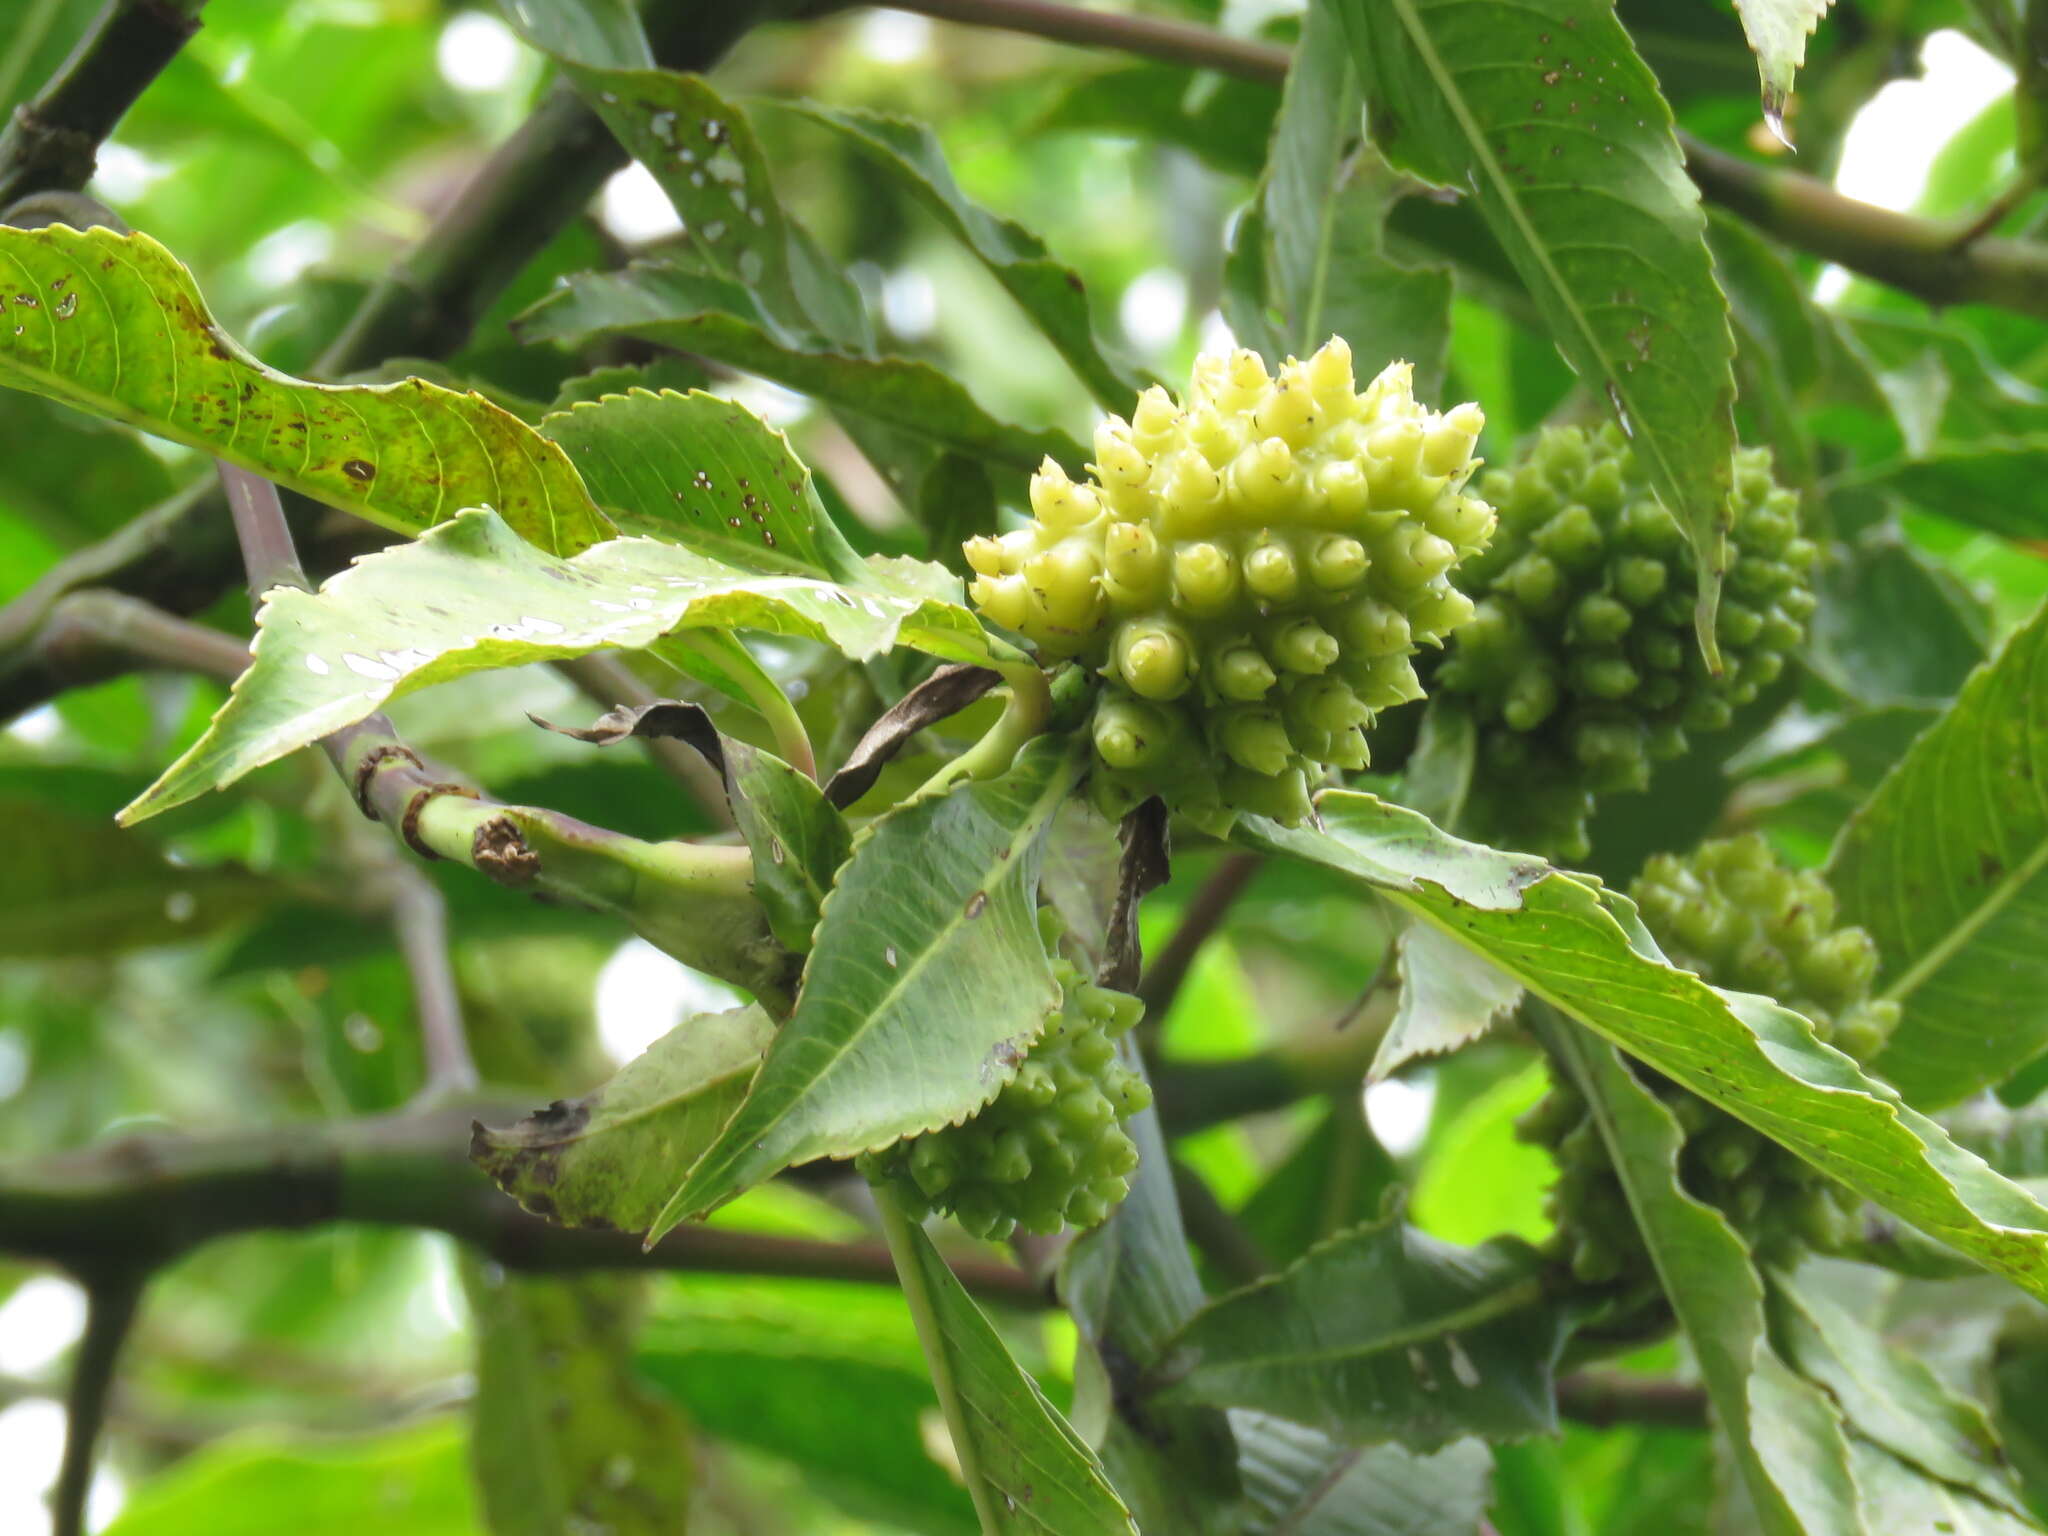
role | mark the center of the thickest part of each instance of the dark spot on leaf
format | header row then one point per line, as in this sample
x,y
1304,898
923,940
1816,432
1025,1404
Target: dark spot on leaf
x,y
359,469
977,904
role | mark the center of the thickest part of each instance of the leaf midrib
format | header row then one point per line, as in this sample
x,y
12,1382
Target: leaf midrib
x,y
1485,1309
1996,900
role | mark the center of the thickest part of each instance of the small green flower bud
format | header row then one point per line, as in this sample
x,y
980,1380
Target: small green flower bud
x,y
1005,599
1372,628
1152,659
1270,572
1058,503
1598,619
1288,408
1303,645
1343,487
1129,734
1256,739
1239,672
1204,577
985,555
1640,579
1262,478
1604,675
1531,698
1329,372
1337,562
1153,421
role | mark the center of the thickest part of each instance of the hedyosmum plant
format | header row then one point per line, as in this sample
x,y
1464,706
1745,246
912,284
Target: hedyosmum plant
x,y
1251,570
1581,664
1050,1148
1734,915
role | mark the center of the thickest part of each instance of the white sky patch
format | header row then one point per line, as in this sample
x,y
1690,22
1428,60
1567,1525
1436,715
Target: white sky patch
x,y
642,994
31,1446
1398,1112
893,37
768,400
635,209
1154,308
477,52
1214,333
41,1320
1892,143
281,257
13,1064
121,174
910,304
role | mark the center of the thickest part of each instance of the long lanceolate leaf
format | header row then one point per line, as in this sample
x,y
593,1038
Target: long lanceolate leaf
x,y
1541,111
114,325
1947,866
1383,1333
1029,1473
470,596
1050,294
1787,1437
677,307
927,985
1583,949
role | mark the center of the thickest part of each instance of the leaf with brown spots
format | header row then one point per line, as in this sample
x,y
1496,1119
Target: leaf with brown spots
x,y
114,325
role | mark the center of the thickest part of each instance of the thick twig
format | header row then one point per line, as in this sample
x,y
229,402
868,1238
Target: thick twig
x,y
91,636
53,141
1204,915
1214,1231
1922,257
419,917
148,1198
1601,1398
269,556
1154,37
111,1299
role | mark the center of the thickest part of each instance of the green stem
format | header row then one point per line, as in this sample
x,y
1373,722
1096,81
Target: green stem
x,y
903,1236
1025,714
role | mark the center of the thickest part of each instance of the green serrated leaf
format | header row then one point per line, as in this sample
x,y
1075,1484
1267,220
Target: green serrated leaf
x,y
1777,32
1945,865
1898,1496
1786,1436
1324,203
1029,1473
1973,483
564,1433
114,325
798,837
927,984
669,304
707,474
1301,1483
1336,1177
1449,998
471,596
1887,1395
1542,113
1583,949
611,1158
605,33
1383,1333
703,152
1130,1284
1049,293
411,1480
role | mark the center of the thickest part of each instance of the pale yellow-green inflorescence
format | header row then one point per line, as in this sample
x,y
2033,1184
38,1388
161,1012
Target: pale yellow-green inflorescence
x,y
1251,570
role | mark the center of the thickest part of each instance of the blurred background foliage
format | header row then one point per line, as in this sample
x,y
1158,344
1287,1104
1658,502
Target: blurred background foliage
x,y
229,965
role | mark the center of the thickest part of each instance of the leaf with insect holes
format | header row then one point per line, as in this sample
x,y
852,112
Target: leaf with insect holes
x,y
471,596
1541,112
1583,949
707,474
927,984
113,325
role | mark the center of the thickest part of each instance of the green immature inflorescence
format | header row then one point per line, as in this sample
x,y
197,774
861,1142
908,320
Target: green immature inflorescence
x,y
1051,1146
1582,663
1736,917
1250,570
